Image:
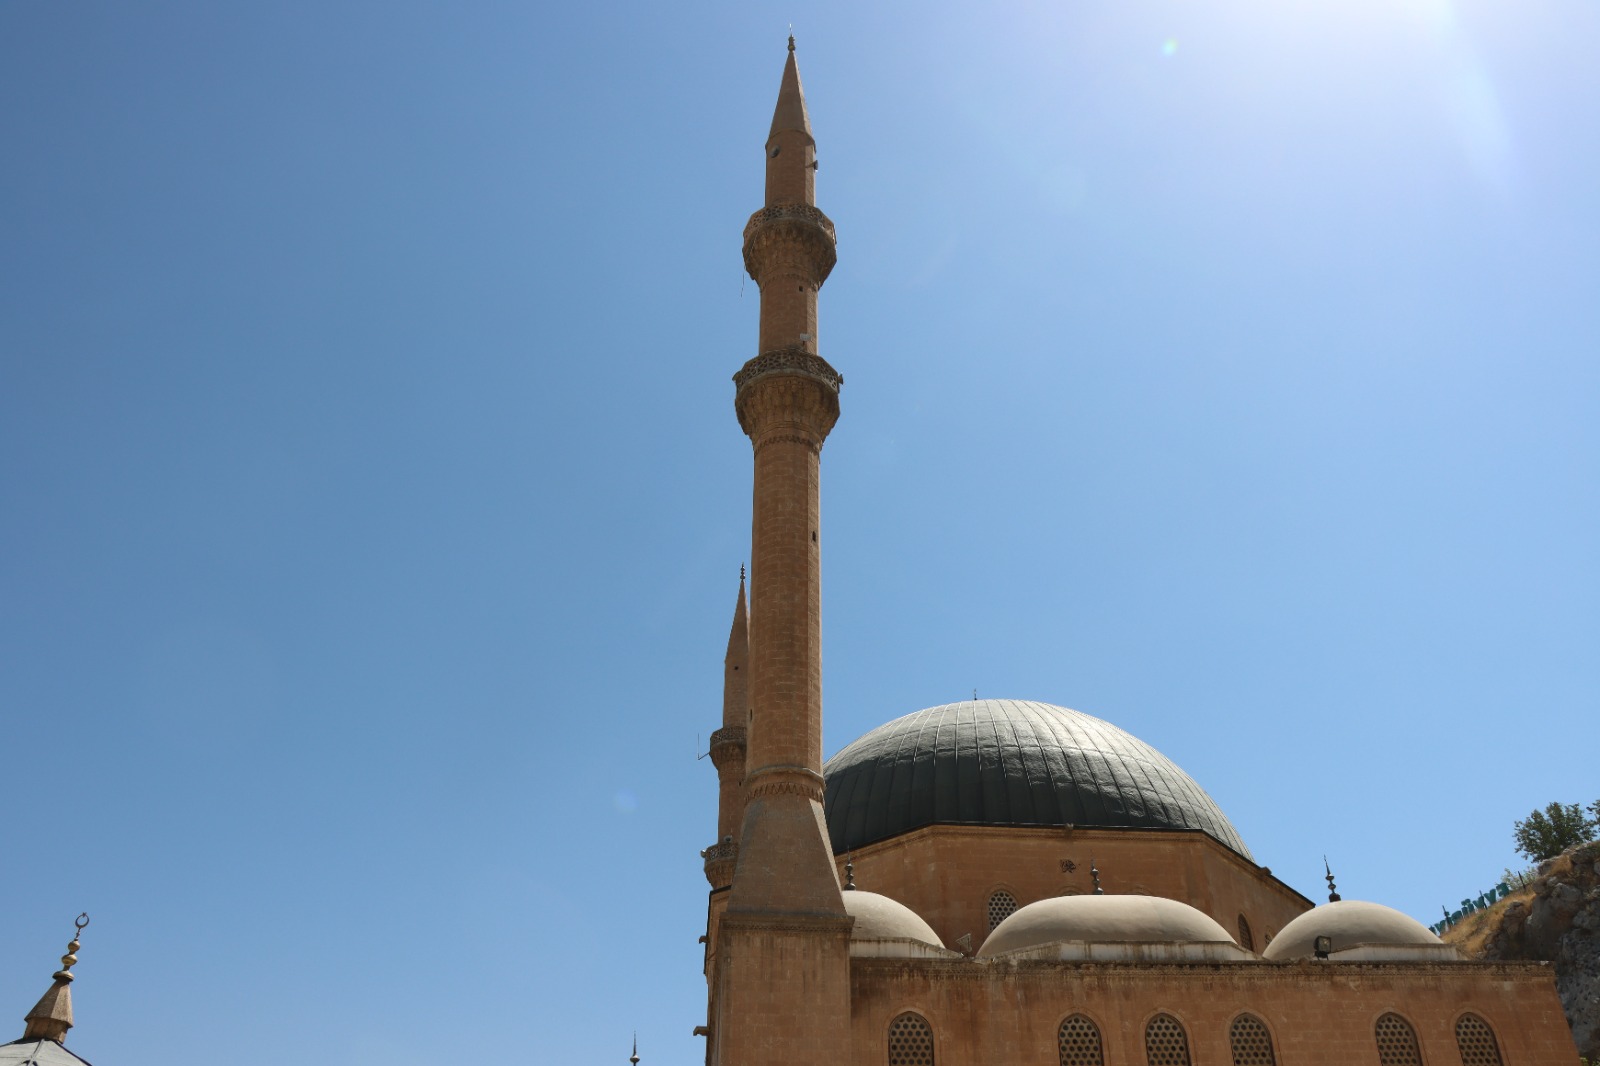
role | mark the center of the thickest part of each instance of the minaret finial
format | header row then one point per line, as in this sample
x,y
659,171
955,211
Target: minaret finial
x,y
634,1058
1094,872
741,573
51,1017
1333,891
791,37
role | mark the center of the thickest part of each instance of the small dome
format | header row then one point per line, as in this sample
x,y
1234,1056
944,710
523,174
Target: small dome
x,y
881,918
1349,923
1103,920
1009,763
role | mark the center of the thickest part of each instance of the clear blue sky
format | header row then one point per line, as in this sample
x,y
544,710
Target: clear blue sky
x,y
374,503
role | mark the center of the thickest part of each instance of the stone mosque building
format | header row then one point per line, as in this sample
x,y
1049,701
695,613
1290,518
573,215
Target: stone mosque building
x,y
995,882
1001,881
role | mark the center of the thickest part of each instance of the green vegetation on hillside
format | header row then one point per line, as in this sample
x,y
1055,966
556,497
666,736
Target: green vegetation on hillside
x,y
1545,834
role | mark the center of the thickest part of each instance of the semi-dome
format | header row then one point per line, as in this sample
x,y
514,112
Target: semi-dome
x,y
1349,924
1103,920
881,918
1009,763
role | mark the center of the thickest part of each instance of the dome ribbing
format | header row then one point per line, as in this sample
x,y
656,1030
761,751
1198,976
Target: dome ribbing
x,y
1009,763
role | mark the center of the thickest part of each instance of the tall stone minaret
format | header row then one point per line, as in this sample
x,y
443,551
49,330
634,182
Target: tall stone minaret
x,y
780,990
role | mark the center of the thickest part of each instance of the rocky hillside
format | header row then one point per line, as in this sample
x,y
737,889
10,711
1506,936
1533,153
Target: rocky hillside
x,y
1556,919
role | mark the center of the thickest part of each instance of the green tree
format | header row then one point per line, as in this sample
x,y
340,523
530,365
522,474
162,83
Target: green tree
x,y
1547,833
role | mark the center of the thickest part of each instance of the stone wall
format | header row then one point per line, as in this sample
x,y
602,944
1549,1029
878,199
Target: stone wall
x,y
1315,1013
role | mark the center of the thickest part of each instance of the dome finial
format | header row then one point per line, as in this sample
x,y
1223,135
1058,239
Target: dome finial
x,y
849,874
51,1017
634,1058
1094,872
1333,891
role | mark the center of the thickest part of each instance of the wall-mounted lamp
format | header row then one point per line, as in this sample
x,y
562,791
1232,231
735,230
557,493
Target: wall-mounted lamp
x,y
1322,946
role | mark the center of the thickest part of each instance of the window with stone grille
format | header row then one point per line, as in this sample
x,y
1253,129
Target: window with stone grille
x,y
1165,1043
1079,1040
1252,1044
1397,1042
1001,906
1476,1041
1246,941
910,1041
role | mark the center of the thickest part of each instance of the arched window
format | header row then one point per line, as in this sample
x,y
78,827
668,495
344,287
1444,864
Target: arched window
x,y
1397,1042
1252,1044
1079,1040
910,1041
1165,1043
1246,941
1476,1041
1001,906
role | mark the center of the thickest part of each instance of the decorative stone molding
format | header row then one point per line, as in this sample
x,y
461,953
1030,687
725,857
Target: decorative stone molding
x,y
789,361
754,922
807,212
792,239
785,781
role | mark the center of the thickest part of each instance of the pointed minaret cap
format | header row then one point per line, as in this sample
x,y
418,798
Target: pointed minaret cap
x,y
51,1017
739,634
736,665
790,113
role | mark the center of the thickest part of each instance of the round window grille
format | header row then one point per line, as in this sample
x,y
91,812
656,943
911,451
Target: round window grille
x,y
1080,1042
1001,906
1246,941
1397,1042
1165,1043
910,1041
1252,1044
1476,1041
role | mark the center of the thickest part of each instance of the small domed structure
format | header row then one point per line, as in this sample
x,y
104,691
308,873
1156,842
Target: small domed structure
x,y
1103,920
881,918
1357,931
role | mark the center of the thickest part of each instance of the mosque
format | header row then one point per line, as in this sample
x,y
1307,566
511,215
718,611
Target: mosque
x,y
994,881
1004,881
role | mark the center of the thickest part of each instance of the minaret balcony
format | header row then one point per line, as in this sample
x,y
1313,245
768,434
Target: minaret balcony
x,y
720,860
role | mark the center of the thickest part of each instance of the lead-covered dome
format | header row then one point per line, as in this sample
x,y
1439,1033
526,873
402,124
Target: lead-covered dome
x,y
1009,763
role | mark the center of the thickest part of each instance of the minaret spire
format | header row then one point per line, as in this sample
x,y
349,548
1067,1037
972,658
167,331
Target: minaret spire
x,y
791,179
51,1017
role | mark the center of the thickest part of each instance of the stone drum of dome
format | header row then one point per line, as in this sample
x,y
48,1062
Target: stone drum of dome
x,y
1009,763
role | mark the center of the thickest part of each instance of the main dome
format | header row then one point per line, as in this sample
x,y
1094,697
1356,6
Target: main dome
x,y
1009,763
